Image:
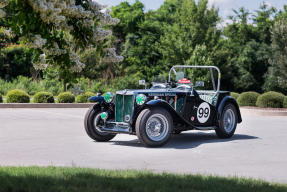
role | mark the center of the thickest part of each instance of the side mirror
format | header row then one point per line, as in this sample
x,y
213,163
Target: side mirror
x,y
199,84
142,82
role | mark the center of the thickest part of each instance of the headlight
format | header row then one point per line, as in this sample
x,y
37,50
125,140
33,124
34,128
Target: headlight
x,y
140,99
109,97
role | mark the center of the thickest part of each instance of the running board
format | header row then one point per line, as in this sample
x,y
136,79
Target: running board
x,y
205,128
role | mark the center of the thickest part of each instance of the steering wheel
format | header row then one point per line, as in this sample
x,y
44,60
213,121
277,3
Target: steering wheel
x,y
183,87
159,86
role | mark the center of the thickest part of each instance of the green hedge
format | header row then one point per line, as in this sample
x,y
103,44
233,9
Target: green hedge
x,y
270,99
84,97
285,102
43,97
248,98
234,95
66,97
18,96
1,99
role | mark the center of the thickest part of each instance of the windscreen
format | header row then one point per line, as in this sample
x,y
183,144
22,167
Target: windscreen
x,y
200,78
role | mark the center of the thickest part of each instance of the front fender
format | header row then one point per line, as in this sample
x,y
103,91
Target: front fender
x,y
96,99
224,101
162,103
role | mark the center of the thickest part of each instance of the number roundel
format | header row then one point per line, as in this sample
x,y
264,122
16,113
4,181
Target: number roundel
x,y
203,112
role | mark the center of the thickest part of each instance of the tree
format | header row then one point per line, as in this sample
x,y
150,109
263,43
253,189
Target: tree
x,y
58,30
195,25
277,79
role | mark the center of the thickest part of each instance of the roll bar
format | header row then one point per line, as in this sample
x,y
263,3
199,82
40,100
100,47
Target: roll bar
x,y
201,67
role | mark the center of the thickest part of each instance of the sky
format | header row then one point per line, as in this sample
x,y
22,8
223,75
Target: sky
x,y
225,6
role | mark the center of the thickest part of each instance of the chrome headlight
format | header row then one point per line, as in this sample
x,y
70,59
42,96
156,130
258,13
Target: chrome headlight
x,y
109,96
141,99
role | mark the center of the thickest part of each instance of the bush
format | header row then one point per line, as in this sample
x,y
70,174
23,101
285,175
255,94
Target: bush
x,y
234,95
43,97
1,99
84,98
270,99
248,98
18,96
285,102
66,97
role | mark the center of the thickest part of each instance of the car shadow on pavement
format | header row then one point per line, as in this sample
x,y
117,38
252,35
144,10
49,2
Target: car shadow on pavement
x,y
189,140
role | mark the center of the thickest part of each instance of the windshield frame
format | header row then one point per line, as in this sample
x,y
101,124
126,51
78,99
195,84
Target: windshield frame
x,y
201,67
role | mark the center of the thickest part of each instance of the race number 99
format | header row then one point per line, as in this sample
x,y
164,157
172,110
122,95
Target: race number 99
x,y
203,112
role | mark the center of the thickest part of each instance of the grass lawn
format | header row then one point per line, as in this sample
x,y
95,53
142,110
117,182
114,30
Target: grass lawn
x,y
26,179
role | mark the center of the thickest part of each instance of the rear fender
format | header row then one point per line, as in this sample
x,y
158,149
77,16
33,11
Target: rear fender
x,y
224,101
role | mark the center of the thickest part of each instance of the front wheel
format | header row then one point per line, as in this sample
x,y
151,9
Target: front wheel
x,y
154,127
93,122
228,122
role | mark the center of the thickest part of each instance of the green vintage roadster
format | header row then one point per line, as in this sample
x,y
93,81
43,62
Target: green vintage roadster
x,y
166,108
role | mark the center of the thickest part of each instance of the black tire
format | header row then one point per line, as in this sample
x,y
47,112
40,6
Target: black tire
x,y
227,130
164,117
91,130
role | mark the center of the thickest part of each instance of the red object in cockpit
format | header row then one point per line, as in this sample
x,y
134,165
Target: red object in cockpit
x,y
184,81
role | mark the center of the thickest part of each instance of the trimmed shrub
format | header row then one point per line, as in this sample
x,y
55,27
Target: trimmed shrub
x,y
66,97
43,97
234,95
270,99
84,97
285,102
1,99
18,96
248,98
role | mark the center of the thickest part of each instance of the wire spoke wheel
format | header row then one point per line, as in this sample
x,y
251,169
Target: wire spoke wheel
x,y
229,120
156,127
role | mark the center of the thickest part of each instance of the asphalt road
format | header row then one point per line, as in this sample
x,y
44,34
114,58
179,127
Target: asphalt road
x,y
57,137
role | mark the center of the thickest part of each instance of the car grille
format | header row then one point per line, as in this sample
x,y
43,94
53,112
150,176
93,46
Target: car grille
x,y
124,107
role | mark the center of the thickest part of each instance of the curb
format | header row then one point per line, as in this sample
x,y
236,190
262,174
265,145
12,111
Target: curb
x,y
46,105
263,111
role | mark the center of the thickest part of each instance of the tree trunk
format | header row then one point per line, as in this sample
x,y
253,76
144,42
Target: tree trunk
x,y
65,85
89,83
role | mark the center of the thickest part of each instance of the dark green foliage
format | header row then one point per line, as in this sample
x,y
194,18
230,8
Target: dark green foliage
x,y
17,96
66,97
15,61
270,99
1,99
32,179
43,97
84,97
248,98
277,77
234,95
285,102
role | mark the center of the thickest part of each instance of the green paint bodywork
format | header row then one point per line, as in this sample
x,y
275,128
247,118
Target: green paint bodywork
x,y
179,105
124,106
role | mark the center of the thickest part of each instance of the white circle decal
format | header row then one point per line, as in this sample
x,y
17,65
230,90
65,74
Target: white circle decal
x,y
203,112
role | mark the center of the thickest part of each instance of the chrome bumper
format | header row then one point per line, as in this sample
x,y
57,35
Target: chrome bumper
x,y
116,127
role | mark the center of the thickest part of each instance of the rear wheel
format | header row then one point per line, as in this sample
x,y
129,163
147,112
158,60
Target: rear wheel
x,y
154,127
93,122
228,122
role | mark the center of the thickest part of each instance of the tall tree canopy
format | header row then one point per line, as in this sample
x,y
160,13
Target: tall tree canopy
x,y
58,30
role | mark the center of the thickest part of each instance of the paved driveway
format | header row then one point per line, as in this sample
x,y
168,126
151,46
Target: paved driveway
x,y
57,137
